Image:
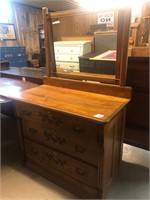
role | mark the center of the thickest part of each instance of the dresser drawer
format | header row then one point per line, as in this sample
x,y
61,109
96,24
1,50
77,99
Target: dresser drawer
x,y
67,57
68,50
76,125
74,66
72,47
64,140
65,164
70,134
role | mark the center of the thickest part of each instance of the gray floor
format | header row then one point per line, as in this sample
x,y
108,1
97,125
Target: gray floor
x,y
20,183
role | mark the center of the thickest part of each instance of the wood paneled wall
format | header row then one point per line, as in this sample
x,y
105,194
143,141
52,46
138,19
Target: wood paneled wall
x,y
76,26
26,20
145,25
143,31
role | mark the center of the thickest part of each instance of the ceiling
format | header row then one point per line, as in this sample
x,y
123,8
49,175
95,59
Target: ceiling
x,y
52,5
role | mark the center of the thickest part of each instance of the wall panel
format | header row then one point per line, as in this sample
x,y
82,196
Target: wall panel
x,y
26,20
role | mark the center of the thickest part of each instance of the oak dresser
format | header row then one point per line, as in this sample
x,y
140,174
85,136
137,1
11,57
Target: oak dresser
x,y
72,137
71,130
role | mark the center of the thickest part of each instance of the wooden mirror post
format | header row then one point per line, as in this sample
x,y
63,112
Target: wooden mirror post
x,y
49,47
124,20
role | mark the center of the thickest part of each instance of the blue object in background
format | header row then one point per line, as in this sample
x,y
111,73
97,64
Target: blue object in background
x,y
15,55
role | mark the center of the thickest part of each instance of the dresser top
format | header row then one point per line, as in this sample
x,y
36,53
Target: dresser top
x,y
97,107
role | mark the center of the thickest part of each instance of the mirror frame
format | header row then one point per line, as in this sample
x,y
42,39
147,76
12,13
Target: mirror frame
x,y
123,29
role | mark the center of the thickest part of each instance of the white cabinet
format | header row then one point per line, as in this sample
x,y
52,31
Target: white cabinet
x,y
67,66
67,54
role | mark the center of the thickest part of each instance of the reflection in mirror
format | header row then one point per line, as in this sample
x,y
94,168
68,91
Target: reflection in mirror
x,y
89,49
87,46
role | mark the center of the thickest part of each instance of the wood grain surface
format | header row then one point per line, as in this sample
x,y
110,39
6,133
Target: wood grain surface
x,y
75,102
12,88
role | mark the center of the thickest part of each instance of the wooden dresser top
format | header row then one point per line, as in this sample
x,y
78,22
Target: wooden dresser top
x,y
12,88
79,103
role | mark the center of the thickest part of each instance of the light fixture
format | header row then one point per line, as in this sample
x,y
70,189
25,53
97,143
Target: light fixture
x,y
5,11
56,22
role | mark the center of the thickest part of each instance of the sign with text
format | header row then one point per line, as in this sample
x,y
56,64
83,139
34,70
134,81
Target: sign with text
x,y
106,18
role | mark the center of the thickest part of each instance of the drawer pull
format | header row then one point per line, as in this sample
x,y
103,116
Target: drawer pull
x,y
77,128
79,148
26,112
51,136
32,130
54,158
80,172
71,66
34,151
50,118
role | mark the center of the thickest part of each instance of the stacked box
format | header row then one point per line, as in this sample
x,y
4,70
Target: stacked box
x,y
15,55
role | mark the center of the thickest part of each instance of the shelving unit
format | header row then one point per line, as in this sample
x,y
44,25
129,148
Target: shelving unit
x,y
15,55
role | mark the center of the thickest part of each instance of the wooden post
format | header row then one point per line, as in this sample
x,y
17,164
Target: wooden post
x,y
49,46
124,20
46,36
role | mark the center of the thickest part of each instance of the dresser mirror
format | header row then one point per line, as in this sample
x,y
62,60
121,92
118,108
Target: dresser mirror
x,y
104,61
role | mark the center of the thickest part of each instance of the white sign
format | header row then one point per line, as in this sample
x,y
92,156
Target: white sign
x,y
106,18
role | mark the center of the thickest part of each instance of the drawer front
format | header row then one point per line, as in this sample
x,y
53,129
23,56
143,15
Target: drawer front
x,y
76,136
61,139
67,57
68,65
65,164
67,50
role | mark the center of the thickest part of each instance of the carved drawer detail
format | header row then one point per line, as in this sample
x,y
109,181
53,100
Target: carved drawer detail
x,y
69,142
53,157
68,134
79,148
32,130
50,117
32,150
67,165
51,135
37,113
26,113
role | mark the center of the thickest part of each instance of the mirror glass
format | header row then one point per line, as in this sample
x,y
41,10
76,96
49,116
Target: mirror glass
x,y
86,43
87,46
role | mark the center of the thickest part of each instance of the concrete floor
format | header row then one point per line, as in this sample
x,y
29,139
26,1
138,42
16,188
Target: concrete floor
x,y
20,183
